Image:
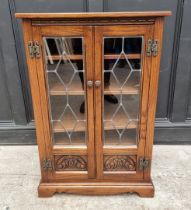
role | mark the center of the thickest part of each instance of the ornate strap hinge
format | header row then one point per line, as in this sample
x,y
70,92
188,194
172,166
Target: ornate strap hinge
x,y
34,49
47,165
152,47
144,163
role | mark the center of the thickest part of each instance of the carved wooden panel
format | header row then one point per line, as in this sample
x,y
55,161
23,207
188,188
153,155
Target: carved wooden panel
x,y
130,21
70,163
119,163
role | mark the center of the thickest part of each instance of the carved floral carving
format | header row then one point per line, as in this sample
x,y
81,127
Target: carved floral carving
x,y
70,162
120,162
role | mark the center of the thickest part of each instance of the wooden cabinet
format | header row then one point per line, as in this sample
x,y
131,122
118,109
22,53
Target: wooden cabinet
x,y
94,79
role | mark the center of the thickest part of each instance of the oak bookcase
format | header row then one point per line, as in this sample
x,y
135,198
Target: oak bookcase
x,y
94,82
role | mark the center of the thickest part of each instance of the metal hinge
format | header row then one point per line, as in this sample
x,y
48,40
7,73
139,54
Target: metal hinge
x,y
47,165
152,47
34,49
144,163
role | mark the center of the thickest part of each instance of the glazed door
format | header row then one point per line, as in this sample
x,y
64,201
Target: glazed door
x,y
65,82
122,83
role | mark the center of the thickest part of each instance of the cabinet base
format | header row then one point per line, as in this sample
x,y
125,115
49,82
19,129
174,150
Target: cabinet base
x,y
95,188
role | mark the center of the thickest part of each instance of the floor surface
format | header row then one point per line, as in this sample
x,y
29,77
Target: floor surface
x,y
19,178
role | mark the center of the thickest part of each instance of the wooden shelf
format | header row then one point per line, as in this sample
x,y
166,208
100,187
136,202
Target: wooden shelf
x,y
116,56
107,57
56,88
119,124
115,142
116,91
58,104
57,127
119,120
77,140
112,140
71,57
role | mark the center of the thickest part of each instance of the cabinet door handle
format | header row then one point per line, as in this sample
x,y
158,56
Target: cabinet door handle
x,y
89,83
97,83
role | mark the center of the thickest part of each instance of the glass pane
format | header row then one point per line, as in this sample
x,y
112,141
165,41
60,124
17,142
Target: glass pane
x,y
64,59
122,76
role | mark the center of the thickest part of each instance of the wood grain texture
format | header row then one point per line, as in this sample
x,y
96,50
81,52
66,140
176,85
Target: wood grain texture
x,y
71,175
153,89
34,84
98,94
66,149
67,31
63,31
88,36
70,162
142,189
120,30
103,169
43,99
93,15
119,163
108,56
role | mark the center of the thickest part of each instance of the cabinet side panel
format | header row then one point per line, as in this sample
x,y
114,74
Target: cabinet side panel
x,y
155,67
34,83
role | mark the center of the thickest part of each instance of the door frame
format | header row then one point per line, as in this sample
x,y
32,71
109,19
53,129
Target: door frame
x,y
121,30
71,31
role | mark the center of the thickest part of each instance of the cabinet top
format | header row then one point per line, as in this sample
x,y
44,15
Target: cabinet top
x,y
88,15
